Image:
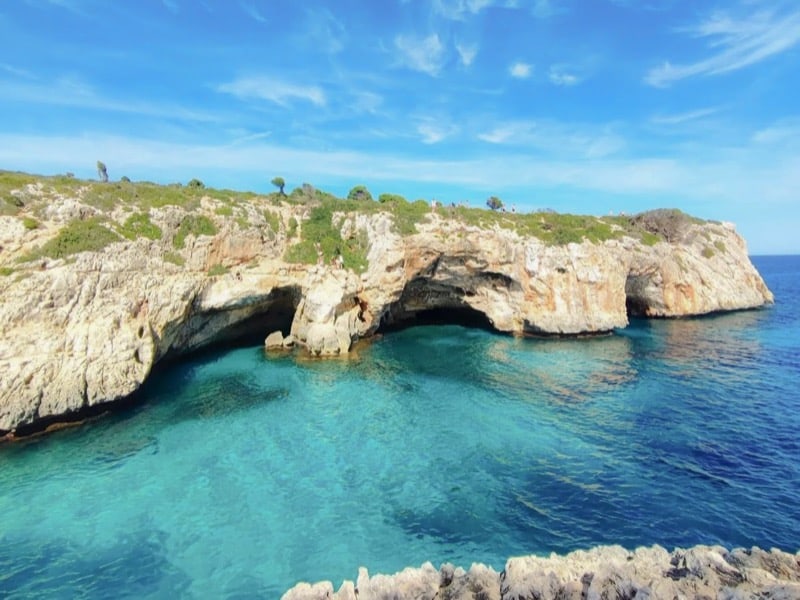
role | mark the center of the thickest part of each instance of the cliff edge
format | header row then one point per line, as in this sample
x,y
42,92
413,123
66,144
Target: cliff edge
x,y
101,281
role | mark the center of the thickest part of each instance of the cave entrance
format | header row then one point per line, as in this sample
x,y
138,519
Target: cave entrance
x,y
424,302
637,303
237,327
452,315
277,314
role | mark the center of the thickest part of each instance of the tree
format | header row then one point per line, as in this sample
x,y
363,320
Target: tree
x,y
196,184
494,203
279,183
359,192
102,172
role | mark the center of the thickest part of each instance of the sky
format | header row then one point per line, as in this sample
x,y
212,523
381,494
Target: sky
x,y
584,106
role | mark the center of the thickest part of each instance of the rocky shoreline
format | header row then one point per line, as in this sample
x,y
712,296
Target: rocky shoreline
x,y
606,572
84,329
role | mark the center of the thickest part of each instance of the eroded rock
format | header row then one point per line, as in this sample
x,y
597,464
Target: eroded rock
x,y
602,572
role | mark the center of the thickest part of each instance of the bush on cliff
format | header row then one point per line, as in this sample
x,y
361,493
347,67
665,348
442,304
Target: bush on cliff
x,y
193,225
321,240
91,235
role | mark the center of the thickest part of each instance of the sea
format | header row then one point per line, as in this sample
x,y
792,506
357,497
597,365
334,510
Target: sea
x,y
237,474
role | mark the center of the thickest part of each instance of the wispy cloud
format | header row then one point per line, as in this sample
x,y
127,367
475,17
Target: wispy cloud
x,y
73,92
433,131
678,118
560,76
786,130
324,31
467,53
735,43
273,90
251,11
460,9
421,54
16,71
556,139
520,70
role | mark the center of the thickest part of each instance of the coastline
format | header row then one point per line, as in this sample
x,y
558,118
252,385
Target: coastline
x,y
601,572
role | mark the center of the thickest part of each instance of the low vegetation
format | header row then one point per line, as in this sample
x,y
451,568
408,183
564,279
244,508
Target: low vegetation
x,y
321,241
90,235
313,230
139,225
193,225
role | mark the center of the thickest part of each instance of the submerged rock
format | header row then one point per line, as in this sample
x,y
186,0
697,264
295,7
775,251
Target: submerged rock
x,y
602,572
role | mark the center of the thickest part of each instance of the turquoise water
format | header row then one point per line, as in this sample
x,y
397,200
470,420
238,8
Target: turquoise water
x,y
239,475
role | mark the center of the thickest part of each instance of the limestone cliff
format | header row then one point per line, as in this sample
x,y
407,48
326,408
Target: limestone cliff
x,y
603,572
84,328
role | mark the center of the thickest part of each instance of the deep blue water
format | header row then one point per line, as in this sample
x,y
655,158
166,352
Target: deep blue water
x,y
239,475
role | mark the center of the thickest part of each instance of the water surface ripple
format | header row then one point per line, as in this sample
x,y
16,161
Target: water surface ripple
x,y
239,475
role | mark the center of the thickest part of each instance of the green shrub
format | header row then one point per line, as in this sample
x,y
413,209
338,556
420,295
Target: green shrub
x,y
720,245
407,214
292,230
139,225
707,252
243,222
390,199
193,225
217,270
76,236
224,211
650,239
273,221
174,258
196,184
6,271
30,223
319,232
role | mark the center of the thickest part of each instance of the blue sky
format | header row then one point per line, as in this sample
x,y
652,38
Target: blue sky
x,y
590,106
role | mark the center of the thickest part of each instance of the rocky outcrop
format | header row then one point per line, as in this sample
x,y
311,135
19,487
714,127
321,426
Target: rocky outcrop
x,y
86,330
603,572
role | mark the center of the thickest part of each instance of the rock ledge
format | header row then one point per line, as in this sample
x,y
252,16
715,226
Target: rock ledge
x,y
603,572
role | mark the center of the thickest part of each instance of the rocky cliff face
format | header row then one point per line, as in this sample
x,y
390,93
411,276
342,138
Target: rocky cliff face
x,y
604,572
87,329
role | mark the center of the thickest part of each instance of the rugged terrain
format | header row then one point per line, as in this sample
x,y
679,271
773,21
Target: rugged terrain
x,y
604,572
101,281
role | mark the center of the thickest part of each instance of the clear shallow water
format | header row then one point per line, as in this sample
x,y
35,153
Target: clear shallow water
x,y
240,475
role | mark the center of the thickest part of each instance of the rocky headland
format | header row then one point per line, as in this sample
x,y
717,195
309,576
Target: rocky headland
x,y
610,572
102,281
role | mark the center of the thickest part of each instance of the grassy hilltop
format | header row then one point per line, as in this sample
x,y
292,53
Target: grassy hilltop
x,y
306,217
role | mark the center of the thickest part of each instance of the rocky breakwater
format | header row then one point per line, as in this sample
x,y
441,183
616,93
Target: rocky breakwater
x,y
603,572
100,284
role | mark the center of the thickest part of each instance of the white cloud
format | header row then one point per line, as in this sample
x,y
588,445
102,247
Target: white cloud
x,y
324,30
467,53
692,115
735,44
459,9
252,12
16,71
433,132
70,91
421,54
273,90
784,131
559,76
520,70
557,139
